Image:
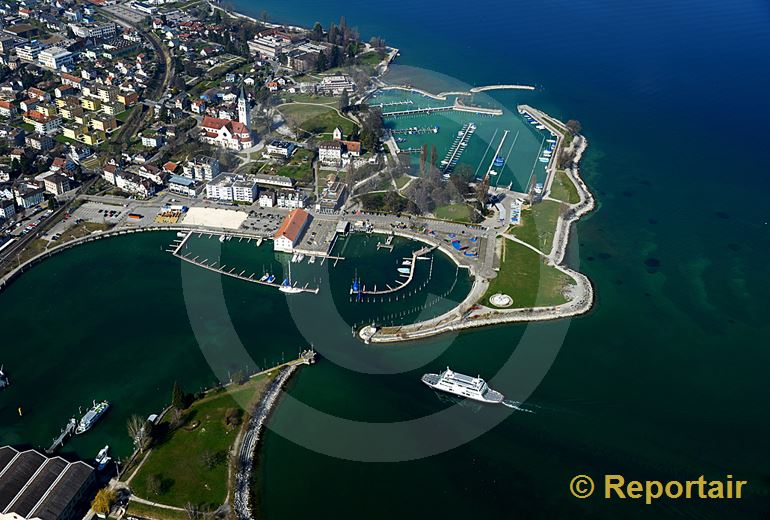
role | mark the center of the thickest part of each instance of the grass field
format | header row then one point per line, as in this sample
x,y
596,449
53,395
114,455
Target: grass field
x,y
526,279
370,58
564,189
191,462
311,98
455,212
316,119
538,224
155,513
299,168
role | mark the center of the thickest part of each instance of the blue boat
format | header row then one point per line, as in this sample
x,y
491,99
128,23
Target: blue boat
x,y
499,161
271,279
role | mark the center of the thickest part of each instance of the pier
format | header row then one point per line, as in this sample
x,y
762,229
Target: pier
x,y
457,148
58,442
387,245
417,255
415,111
416,130
223,270
497,153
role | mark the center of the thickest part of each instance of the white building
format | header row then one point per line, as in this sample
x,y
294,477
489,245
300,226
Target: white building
x,y
182,186
291,199
101,30
268,46
29,51
334,85
55,58
201,168
229,187
28,195
280,148
267,199
290,233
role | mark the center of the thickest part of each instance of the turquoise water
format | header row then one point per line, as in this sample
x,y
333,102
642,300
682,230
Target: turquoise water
x,y
520,149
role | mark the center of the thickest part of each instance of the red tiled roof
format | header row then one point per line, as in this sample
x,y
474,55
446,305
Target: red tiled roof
x,y
293,225
214,122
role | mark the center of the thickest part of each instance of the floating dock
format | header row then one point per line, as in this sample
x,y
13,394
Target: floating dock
x,y
222,269
415,256
68,430
457,148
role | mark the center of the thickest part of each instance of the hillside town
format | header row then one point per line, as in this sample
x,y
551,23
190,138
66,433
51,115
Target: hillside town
x,y
138,100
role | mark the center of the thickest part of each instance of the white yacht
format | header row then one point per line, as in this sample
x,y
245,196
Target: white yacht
x,y
464,386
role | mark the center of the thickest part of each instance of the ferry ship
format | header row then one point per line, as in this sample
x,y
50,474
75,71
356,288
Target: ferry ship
x,y
465,386
4,380
91,416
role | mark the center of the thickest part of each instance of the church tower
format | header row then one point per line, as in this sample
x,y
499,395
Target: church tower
x,y
244,115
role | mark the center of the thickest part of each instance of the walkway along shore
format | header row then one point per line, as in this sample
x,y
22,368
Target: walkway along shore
x,y
471,313
245,461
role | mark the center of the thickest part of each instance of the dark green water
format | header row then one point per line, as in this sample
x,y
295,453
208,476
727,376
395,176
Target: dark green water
x,y
665,379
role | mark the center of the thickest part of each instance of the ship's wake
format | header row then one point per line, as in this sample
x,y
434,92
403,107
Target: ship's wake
x,y
516,405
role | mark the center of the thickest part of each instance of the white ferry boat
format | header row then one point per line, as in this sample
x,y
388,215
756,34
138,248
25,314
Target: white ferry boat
x,y
91,416
465,386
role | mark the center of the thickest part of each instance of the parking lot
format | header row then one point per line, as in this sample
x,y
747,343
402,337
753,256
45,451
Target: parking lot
x,y
263,222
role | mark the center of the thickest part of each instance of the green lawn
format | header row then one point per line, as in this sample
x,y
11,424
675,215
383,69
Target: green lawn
x,y
370,58
310,98
526,279
564,189
62,139
455,212
123,116
178,460
316,119
299,167
538,224
402,181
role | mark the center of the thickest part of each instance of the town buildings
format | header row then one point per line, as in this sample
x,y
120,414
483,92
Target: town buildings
x,y
228,187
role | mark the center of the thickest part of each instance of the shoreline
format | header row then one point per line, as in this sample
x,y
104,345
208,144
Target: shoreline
x,y
463,316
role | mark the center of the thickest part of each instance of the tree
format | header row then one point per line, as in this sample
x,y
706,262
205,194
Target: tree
x,y
263,16
137,430
423,158
317,33
321,63
333,35
208,459
153,484
335,57
433,157
178,398
344,100
192,510
574,126
102,502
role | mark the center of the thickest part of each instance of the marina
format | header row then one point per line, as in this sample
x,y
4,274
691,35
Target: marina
x,y
357,289
457,149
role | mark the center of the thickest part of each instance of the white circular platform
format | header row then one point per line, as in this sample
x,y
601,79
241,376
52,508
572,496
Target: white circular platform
x,y
501,300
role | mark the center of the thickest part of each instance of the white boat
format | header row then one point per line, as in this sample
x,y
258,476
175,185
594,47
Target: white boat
x,y
287,287
91,416
103,458
464,386
294,257
301,257
181,234
221,238
404,270
4,379
406,262
311,260
492,172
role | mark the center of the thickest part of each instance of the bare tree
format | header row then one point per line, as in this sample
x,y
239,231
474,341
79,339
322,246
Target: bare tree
x,y
154,485
137,430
